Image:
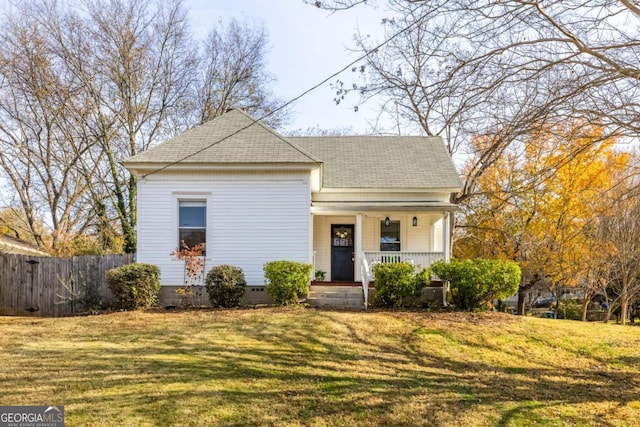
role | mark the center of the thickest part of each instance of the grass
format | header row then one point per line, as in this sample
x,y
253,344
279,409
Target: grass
x,y
305,367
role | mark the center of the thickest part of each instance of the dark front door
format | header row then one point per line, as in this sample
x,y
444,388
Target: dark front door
x,y
342,255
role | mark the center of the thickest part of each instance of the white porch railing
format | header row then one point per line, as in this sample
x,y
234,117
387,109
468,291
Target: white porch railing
x,y
419,260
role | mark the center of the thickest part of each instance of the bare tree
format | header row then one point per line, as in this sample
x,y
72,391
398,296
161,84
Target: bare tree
x,y
84,85
38,152
620,239
135,62
459,68
233,74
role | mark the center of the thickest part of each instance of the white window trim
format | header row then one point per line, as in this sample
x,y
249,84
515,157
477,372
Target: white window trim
x,y
400,230
191,196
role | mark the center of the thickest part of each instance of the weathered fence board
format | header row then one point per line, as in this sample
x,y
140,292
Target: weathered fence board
x,y
43,286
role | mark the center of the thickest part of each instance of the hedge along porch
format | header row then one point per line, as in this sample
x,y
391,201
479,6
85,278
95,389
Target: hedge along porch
x,y
262,197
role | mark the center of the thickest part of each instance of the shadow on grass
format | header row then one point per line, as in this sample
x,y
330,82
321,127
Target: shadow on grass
x,y
258,370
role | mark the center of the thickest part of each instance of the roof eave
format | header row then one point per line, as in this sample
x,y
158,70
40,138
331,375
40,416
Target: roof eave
x,y
145,168
391,190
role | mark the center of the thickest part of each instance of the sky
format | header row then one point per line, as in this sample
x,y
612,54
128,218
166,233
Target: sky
x,y
307,45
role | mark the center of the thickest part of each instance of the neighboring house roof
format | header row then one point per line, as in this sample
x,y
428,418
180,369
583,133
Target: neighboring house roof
x,y
389,162
235,137
11,245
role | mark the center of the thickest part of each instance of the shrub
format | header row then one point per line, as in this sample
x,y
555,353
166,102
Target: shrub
x,y
423,279
225,285
135,285
475,283
570,309
287,281
396,284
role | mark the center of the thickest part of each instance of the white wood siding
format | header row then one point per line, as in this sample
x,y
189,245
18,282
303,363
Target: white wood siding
x,y
370,233
251,219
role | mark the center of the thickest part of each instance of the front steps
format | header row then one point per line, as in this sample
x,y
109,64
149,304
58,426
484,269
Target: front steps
x,y
342,297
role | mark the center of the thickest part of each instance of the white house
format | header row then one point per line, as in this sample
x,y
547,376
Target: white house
x,y
252,196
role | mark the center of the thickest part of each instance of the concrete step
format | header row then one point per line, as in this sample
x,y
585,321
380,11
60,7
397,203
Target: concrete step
x,y
335,298
339,297
335,294
335,290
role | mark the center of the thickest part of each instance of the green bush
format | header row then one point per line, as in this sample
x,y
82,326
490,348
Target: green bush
x,y
396,285
287,281
134,285
570,309
423,279
225,285
474,283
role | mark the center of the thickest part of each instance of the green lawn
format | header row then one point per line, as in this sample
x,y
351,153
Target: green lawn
x,y
306,367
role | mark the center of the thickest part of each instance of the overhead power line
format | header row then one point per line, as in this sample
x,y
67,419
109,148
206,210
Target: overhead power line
x,y
291,101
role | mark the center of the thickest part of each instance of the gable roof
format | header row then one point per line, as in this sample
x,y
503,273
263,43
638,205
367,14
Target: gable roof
x,y
234,137
349,162
389,162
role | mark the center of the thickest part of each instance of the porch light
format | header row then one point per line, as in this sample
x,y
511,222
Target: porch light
x,y
415,221
386,221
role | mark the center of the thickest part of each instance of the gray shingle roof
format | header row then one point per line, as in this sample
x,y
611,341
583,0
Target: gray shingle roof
x,y
366,162
393,162
230,138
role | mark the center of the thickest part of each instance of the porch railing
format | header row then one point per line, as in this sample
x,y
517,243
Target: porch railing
x,y
419,260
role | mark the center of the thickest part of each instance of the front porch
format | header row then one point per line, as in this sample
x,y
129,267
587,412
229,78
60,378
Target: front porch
x,y
345,247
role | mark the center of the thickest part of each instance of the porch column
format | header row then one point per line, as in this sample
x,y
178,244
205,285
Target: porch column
x,y
446,236
446,247
312,252
357,247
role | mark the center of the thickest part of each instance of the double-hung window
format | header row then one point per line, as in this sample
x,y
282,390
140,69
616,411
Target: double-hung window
x,y
192,223
390,236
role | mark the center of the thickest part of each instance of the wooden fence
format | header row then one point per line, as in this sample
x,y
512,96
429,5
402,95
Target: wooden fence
x,y
50,287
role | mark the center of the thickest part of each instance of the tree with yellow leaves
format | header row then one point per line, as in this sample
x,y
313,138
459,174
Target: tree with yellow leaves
x,y
538,201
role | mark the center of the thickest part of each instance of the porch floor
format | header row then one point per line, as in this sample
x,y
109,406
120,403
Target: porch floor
x,y
434,283
335,283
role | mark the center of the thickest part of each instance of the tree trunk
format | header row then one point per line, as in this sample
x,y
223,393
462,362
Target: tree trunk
x,y
585,305
522,294
624,311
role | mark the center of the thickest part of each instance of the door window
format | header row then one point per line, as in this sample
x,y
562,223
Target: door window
x,y
342,236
